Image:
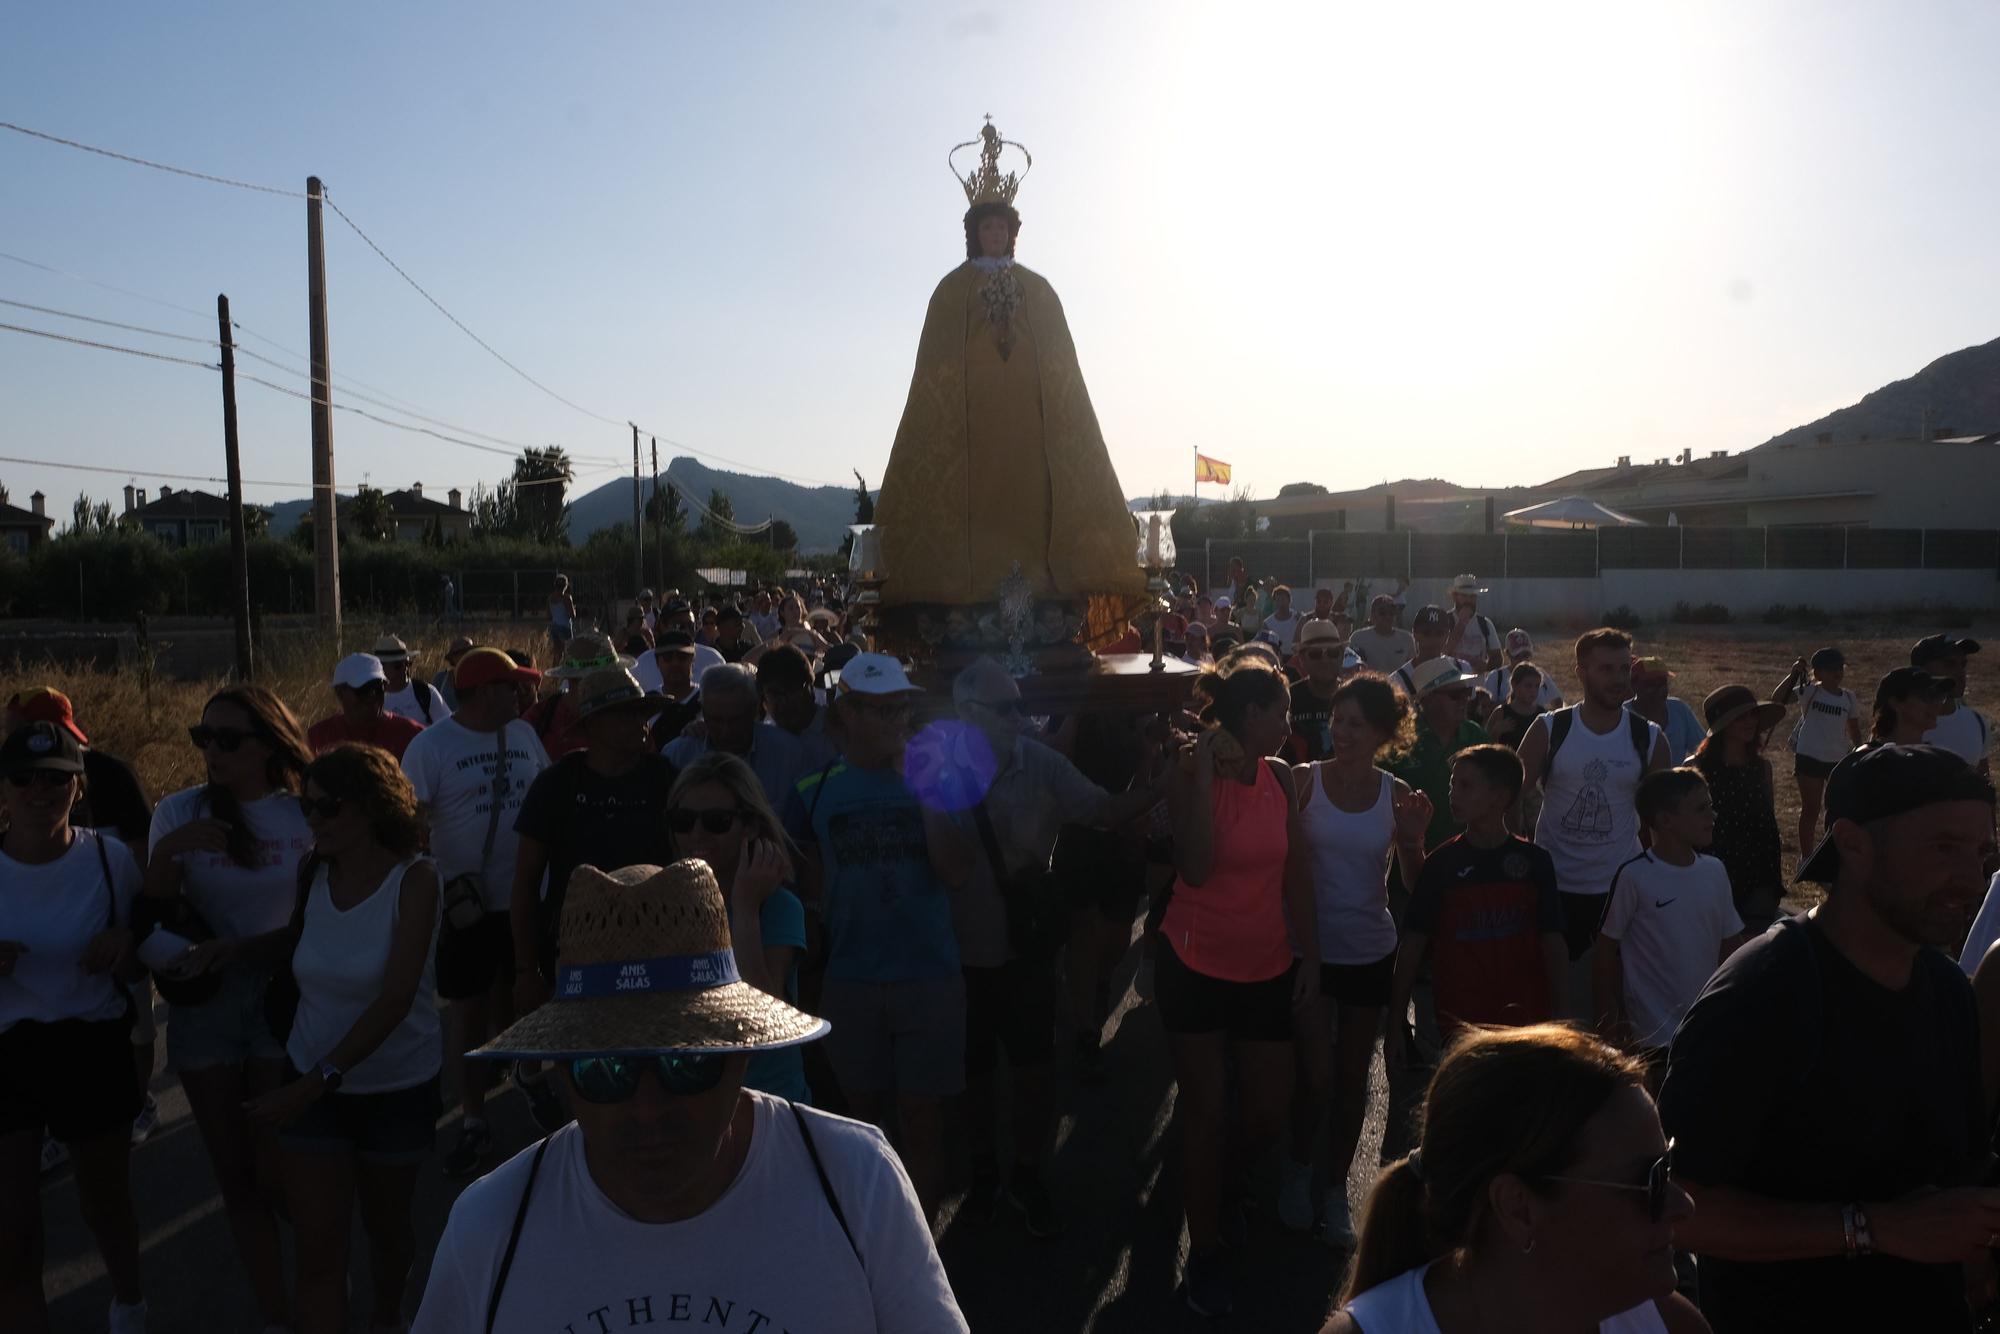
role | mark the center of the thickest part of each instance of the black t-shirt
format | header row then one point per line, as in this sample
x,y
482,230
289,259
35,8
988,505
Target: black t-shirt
x,y
1794,1075
585,818
1312,725
1106,751
113,799
674,717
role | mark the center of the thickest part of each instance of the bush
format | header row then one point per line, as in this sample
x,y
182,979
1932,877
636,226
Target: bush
x,y
1621,617
1708,613
123,572
13,578
1801,614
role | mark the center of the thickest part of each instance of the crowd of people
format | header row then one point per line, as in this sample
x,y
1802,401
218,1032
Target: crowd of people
x,y
716,875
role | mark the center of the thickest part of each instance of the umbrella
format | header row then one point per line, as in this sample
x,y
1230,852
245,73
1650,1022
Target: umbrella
x,y
1572,512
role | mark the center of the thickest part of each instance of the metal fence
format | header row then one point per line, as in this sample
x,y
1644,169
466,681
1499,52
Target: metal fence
x,y
1336,554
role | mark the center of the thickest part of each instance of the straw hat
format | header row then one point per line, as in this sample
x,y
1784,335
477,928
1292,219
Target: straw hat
x,y
1726,704
587,653
646,967
611,690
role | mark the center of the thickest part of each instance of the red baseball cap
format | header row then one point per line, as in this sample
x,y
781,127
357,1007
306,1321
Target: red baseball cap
x,y
483,666
46,704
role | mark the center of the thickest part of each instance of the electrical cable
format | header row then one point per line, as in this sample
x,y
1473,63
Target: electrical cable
x,y
148,162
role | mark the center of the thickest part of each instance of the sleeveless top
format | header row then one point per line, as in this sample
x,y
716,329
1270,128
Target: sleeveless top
x,y
1348,854
559,613
339,963
1233,926
1589,821
1399,1306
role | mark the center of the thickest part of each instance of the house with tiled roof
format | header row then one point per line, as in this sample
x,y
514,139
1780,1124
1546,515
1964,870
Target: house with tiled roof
x,y
21,529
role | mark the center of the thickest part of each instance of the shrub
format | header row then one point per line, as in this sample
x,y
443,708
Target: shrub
x,y
1708,613
116,573
1800,614
1621,617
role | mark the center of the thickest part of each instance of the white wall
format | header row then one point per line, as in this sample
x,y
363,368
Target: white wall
x,y
1747,593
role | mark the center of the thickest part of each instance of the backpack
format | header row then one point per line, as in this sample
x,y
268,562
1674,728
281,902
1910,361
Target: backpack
x,y
1562,720
425,694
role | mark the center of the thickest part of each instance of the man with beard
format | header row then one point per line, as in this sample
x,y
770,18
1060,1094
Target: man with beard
x,y
1824,1089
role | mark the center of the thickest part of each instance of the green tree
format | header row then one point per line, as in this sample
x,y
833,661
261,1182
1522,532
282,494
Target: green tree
x,y
783,536
368,516
493,510
88,516
665,509
714,528
541,481
256,522
864,512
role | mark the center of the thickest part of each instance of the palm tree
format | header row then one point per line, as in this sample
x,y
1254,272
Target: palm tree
x,y
368,516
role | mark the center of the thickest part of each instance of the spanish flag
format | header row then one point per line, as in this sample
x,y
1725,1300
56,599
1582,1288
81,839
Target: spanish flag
x,y
1207,469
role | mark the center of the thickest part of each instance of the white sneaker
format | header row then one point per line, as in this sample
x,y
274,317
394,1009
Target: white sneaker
x,y
128,1319
1336,1223
1295,1201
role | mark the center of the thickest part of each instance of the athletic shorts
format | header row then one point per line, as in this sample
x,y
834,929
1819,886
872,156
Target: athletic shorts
x,y
1012,1006
392,1128
228,1028
72,1078
470,961
1358,984
1192,1002
1583,917
897,1037
1805,766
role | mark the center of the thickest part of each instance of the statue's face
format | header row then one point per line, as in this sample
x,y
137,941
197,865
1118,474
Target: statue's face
x,y
993,238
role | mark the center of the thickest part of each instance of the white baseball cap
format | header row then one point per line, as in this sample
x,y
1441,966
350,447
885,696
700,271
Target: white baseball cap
x,y
875,674
357,670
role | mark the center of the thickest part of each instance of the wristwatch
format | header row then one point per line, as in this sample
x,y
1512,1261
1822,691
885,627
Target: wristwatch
x,y
330,1075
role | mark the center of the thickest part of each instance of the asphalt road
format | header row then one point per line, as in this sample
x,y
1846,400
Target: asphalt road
x,y
1115,1176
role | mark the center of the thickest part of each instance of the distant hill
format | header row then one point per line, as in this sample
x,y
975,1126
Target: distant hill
x,y
818,514
1958,393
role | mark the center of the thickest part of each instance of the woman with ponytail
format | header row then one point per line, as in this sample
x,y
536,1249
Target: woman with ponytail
x,y
1224,973
1540,1197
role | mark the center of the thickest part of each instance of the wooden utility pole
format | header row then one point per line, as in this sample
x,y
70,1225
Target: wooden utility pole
x,y
239,563
326,539
659,542
638,521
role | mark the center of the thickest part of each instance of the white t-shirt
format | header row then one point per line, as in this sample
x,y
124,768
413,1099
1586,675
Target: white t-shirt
x,y
1985,929
768,1256
1479,637
1286,631
764,623
1383,653
1821,732
1589,823
452,768
1964,732
403,703
339,963
55,909
1499,684
1400,1306
240,900
1669,922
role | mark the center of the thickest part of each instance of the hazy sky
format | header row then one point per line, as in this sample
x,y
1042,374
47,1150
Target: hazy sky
x,y
1335,242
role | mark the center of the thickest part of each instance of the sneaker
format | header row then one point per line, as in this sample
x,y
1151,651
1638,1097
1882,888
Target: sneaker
x,y
1336,1223
54,1153
1038,1210
127,1319
1205,1285
1295,1201
469,1150
147,1120
544,1105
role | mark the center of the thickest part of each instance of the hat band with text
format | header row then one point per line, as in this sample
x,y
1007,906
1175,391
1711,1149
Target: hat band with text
x,y
671,972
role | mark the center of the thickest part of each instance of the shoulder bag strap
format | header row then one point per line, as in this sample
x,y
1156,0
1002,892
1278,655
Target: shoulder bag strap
x,y
819,790
110,890
498,798
991,842
825,1185
514,1237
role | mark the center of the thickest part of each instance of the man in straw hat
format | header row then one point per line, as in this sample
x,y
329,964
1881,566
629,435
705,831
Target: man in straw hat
x,y
883,865
404,696
678,1195
554,717
471,772
1474,639
441,682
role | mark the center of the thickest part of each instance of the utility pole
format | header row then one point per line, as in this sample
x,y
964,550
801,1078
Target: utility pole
x,y
638,523
239,565
326,540
659,539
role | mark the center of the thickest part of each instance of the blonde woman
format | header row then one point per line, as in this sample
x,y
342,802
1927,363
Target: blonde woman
x,y
717,812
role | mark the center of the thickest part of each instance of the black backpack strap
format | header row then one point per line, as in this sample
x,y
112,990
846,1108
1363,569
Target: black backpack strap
x,y
990,840
514,1236
1559,724
110,890
1642,736
424,695
825,1184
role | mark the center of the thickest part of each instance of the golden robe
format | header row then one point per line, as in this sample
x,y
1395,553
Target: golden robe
x,y
999,459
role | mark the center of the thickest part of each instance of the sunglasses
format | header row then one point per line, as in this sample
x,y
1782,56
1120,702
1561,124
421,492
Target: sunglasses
x,y
711,822
225,739
1322,654
323,807
40,777
1659,1176
609,1079
892,708
1006,708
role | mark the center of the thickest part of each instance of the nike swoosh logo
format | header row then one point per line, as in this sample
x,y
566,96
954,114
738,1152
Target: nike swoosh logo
x,y
1464,871
1661,903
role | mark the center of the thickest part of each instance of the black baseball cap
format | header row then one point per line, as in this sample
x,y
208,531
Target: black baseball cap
x,y
1876,782
40,746
1829,659
1904,682
1932,647
674,641
1428,621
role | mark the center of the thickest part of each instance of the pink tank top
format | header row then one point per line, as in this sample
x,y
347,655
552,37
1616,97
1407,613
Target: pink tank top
x,y
1233,927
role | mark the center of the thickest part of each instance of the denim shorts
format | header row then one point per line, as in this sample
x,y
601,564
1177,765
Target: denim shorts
x,y
228,1028
395,1127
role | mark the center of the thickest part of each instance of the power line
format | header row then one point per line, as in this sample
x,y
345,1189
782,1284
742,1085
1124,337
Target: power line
x,y
112,324
111,347
197,477
148,162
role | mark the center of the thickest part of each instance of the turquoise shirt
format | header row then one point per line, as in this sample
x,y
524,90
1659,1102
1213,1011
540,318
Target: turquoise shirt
x,y
782,1073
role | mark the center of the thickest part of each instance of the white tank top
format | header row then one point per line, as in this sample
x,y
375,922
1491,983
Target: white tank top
x,y
1399,1306
1589,821
340,962
1350,872
559,613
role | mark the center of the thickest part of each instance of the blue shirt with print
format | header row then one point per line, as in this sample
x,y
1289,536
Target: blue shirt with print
x,y
782,1073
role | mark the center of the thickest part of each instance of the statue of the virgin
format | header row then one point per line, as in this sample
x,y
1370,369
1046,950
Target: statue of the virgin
x,y
998,461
